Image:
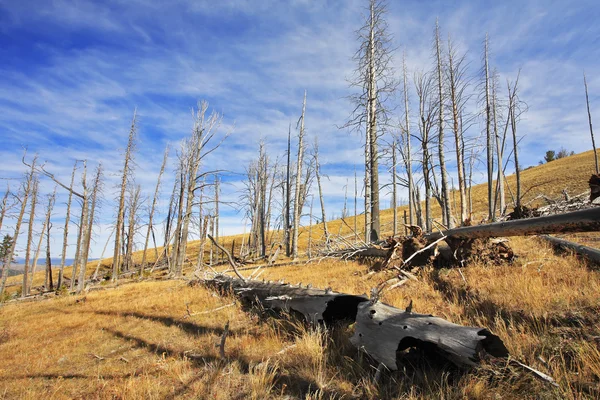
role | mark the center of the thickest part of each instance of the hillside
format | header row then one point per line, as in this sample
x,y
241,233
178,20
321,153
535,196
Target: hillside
x,y
156,338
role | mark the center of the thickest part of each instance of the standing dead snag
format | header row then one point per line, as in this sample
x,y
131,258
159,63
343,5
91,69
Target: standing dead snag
x,y
587,101
297,196
153,207
121,211
34,195
89,226
66,231
11,252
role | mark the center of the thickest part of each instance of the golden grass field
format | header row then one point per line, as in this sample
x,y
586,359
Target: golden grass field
x,y
136,340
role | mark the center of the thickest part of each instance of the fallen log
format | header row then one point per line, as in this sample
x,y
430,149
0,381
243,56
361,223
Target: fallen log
x,y
383,331
589,253
380,330
587,220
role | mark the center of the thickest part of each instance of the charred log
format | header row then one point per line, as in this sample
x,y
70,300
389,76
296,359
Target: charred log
x,y
589,253
594,187
380,330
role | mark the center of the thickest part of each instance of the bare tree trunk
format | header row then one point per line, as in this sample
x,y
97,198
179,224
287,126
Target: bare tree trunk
x,y
11,253
34,194
587,102
216,235
309,252
4,205
321,200
408,156
51,200
456,88
133,208
445,195
513,96
500,196
95,276
61,272
152,209
48,281
355,205
297,208
82,229
288,189
89,226
394,190
374,154
488,133
121,210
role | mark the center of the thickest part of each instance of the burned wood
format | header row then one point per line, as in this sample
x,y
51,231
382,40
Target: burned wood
x,y
594,187
381,330
587,220
589,253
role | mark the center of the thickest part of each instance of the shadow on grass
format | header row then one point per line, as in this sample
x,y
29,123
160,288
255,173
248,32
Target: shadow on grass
x,y
186,326
475,306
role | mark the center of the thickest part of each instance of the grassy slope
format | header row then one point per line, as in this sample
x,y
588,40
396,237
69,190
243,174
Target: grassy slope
x,y
544,307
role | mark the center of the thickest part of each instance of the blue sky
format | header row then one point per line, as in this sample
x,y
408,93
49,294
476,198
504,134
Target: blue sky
x,y
71,73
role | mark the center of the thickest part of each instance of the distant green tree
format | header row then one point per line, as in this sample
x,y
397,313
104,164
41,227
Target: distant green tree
x,y
5,248
550,156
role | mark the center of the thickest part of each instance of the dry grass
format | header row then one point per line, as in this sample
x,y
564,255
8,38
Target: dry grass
x,y
135,341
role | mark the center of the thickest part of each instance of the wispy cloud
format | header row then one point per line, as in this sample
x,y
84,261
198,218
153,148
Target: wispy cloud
x,y
73,72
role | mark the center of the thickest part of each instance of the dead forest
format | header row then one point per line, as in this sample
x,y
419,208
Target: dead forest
x,y
430,131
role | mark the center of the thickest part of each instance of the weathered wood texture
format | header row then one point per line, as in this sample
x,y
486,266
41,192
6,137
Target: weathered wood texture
x,y
380,330
578,221
589,253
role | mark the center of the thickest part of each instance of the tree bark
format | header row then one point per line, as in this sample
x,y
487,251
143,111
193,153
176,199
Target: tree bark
x,y
24,198
88,233
321,200
297,200
34,194
152,209
587,102
488,133
445,195
121,210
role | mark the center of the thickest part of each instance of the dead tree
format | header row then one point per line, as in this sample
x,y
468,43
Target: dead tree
x,y
516,109
298,195
89,227
445,190
287,202
27,187
217,191
48,284
321,200
406,153
587,102
394,190
66,231
134,204
427,109
121,210
82,228
5,206
49,207
152,209
499,197
458,85
196,148
34,195
375,80
488,132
